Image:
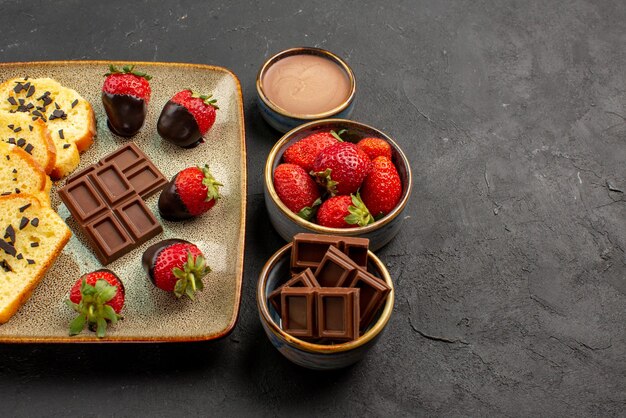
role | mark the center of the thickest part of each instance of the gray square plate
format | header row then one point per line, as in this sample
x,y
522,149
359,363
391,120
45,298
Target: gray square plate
x,y
151,315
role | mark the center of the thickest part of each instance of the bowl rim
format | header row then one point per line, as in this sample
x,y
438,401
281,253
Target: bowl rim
x,y
303,50
371,333
269,184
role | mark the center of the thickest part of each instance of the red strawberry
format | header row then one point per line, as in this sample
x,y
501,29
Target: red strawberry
x,y
296,190
344,212
375,147
191,192
98,297
382,189
304,151
125,96
175,265
341,168
186,117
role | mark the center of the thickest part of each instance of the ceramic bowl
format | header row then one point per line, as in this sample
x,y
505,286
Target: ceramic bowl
x,y
282,120
316,356
289,224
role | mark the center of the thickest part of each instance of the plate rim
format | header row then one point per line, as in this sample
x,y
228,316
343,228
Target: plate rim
x,y
242,233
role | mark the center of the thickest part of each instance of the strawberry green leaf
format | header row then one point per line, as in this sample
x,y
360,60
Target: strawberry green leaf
x,y
206,98
308,212
359,214
337,135
324,179
102,327
190,277
212,185
77,324
109,313
180,287
127,69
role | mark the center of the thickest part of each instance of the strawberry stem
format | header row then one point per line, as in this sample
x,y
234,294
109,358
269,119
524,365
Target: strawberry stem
x,y
190,276
359,214
93,309
206,98
127,69
212,185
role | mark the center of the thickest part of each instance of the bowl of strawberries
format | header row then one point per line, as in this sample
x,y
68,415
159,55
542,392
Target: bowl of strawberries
x,y
337,176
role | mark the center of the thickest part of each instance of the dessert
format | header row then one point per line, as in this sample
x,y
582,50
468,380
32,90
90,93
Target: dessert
x,y
304,279
98,298
337,313
344,212
309,249
337,300
375,147
125,96
190,193
176,265
68,117
186,117
335,269
106,202
304,151
20,173
31,238
306,84
341,168
297,190
32,136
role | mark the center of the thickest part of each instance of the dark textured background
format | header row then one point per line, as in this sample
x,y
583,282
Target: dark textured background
x,y
510,273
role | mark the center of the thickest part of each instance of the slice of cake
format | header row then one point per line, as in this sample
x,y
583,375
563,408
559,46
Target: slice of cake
x,y
32,136
20,173
32,236
68,117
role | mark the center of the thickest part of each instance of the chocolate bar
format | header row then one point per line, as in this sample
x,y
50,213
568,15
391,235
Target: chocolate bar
x,y
106,201
304,279
298,311
356,249
337,313
334,269
373,293
309,249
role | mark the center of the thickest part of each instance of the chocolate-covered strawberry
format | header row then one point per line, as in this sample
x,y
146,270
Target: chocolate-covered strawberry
x,y
186,117
98,297
190,193
176,265
125,96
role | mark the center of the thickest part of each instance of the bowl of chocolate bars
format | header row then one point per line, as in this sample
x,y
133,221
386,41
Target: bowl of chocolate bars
x,y
324,300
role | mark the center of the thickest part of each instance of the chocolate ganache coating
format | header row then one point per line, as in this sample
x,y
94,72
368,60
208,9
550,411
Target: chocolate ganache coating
x,y
171,206
126,114
152,252
178,126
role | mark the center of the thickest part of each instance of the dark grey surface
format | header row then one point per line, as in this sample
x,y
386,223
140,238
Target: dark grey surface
x,y
511,271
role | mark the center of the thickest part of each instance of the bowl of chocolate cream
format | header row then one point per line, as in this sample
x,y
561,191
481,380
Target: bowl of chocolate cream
x,y
304,84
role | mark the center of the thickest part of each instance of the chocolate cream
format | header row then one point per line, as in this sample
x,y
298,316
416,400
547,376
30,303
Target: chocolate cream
x,y
306,84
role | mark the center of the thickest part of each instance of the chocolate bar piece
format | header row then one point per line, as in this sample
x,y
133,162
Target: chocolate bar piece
x,y
108,208
304,279
337,313
334,269
309,249
356,249
136,167
373,293
298,311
